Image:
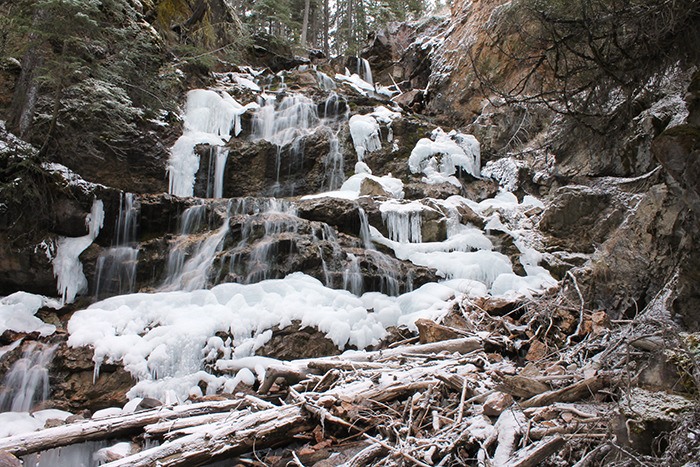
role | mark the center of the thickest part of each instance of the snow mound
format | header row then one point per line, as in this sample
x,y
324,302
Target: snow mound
x,y
17,313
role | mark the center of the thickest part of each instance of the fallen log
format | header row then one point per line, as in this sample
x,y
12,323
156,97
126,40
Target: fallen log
x,y
571,393
109,427
534,454
222,439
521,386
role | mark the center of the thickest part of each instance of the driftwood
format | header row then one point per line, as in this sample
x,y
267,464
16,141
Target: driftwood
x,y
426,399
222,438
572,393
109,427
533,455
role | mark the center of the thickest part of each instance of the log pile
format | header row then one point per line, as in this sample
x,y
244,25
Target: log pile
x,y
492,398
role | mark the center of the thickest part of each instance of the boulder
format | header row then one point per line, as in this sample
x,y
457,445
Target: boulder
x,y
296,341
340,213
371,187
430,331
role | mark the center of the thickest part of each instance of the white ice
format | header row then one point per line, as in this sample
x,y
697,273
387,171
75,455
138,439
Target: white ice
x,y
67,267
17,313
439,157
209,118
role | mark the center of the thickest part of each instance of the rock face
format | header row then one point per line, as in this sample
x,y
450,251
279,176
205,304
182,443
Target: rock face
x,y
580,217
296,342
74,386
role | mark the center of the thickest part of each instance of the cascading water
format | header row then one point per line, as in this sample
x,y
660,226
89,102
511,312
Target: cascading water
x,y
364,229
191,256
261,234
27,383
284,120
353,280
216,171
115,270
364,70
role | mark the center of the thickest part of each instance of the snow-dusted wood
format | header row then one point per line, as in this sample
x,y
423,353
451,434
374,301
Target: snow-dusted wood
x,y
224,438
109,427
534,454
571,393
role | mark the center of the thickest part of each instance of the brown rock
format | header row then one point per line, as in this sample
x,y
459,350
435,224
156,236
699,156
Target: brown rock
x,y
8,460
481,190
54,422
371,187
423,190
579,217
429,331
295,342
496,306
468,216
496,403
538,350
410,98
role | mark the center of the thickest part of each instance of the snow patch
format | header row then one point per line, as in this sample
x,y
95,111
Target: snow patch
x,y
17,313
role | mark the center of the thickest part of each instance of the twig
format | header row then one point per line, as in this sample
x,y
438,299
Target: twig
x,y
397,451
296,459
460,413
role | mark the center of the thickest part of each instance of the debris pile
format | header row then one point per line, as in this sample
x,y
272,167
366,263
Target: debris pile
x,y
497,382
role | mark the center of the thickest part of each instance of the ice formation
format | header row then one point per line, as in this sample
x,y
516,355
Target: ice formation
x,y
364,130
67,267
209,118
17,313
165,339
440,156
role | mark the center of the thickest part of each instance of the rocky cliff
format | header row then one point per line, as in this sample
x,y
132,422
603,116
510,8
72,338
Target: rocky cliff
x,y
440,176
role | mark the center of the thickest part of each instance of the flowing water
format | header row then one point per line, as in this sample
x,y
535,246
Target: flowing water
x,y
243,243
26,385
116,267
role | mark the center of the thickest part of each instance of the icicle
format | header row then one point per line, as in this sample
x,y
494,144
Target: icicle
x,y
403,226
67,267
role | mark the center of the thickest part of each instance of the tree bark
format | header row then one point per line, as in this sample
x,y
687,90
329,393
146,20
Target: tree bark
x,y
27,89
305,24
326,28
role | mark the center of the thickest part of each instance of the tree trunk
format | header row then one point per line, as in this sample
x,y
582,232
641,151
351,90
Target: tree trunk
x,y
27,89
351,32
107,428
305,24
326,28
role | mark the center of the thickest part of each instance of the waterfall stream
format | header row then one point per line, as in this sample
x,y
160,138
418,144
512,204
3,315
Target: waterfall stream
x,y
116,266
349,257
26,385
